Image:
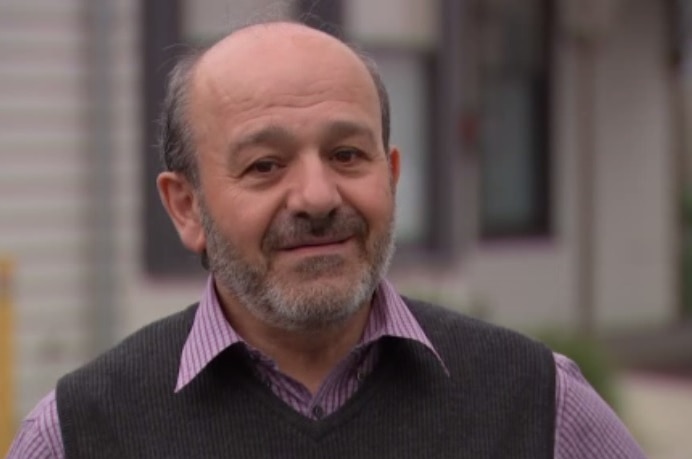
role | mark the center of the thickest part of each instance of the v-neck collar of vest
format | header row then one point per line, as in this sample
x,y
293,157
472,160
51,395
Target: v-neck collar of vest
x,y
379,380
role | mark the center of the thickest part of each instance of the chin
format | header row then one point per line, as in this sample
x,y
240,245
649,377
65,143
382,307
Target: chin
x,y
318,302
315,318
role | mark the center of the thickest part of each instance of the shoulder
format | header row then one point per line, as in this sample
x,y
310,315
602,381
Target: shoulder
x,y
157,345
497,353
170,330
446,327
440,317
39,435
585,424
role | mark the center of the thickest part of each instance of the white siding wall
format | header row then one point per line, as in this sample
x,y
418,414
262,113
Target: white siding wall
x,y
43,185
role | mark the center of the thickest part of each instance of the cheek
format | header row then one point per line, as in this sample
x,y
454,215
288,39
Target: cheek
x,y
243,218
250,223
375,201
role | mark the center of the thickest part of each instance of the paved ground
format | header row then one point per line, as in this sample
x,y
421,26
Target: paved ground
x,y
658,410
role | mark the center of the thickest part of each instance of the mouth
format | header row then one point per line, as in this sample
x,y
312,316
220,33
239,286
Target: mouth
x,y
315,244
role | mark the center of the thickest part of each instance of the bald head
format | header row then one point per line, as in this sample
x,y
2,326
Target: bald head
x,y
275,42
262,60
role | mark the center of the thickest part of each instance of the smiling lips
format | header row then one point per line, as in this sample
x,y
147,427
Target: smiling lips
x,y
315,243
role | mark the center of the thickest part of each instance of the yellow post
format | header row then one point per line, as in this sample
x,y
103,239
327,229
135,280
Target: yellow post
x,y
6,393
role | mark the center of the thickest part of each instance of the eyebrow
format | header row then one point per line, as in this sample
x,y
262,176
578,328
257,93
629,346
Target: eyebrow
x,y
278,135
341,129
269,135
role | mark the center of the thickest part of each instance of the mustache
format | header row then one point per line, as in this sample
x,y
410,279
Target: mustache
x,y
301,230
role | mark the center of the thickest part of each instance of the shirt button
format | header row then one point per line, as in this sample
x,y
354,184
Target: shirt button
x,y
267,382
317,412
360,375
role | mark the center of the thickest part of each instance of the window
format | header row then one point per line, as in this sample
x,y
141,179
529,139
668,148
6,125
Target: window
x,y
513,65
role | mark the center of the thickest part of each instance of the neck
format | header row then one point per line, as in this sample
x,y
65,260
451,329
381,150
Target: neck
x,y
307,356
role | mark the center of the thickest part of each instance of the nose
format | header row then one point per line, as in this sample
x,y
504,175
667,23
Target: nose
x,y
314,191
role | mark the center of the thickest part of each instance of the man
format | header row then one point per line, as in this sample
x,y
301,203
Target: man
x,y
280,174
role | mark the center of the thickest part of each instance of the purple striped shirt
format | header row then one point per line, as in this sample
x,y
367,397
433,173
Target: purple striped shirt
x,y
585,426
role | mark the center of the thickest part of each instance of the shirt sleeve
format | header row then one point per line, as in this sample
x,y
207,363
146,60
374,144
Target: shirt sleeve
x,y
585,426
39,436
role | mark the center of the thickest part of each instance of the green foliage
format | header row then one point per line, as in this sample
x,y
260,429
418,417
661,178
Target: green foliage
x,y
592,358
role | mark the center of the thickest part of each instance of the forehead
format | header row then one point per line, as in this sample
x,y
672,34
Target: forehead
x,y
280,65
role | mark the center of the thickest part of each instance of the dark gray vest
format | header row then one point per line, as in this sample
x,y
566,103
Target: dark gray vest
x,y
498,401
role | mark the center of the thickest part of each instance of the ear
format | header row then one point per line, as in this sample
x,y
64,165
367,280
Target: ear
x,y
394,165
180,200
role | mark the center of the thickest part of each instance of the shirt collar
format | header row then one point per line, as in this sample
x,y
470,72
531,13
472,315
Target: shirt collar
x,y
390,316
211,333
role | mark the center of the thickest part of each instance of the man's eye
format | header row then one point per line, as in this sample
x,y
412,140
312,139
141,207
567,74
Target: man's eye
x,y
346,155
264,166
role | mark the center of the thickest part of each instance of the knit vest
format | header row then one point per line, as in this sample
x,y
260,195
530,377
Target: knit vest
x,y
495,399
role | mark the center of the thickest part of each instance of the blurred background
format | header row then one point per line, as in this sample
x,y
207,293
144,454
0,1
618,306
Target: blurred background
x,y
547,179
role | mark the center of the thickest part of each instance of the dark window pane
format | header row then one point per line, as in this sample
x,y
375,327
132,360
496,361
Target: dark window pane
x,y
514,49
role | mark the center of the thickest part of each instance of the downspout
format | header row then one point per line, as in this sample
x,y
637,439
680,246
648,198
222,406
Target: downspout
x,y
101,250
587,23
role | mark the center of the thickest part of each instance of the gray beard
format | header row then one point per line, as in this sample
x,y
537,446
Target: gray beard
x,y
300,306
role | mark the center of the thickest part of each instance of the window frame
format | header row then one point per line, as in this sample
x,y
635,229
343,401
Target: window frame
x,y
540,224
